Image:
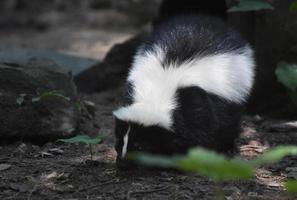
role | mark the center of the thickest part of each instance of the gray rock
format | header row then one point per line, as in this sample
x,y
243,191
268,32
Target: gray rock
x,y
54,61
113,70
36,104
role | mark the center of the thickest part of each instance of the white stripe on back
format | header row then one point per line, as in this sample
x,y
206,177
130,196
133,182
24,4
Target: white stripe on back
x,y
229,75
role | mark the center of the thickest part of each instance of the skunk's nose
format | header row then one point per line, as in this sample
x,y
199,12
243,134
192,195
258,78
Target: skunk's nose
x,y
125,164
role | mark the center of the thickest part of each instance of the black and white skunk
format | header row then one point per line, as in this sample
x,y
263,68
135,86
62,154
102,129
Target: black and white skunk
x,y
187,87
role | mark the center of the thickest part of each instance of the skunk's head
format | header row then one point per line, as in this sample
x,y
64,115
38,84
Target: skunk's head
x,y
134,136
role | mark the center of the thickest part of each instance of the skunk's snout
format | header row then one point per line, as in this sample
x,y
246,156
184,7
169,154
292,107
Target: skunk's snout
x,y
125,164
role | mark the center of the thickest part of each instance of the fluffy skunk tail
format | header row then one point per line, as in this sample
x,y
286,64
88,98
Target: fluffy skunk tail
x,y
170,8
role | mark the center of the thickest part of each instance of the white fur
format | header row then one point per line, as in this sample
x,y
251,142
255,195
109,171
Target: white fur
x,y
228,75
125,142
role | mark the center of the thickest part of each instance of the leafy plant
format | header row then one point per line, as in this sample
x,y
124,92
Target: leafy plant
x,y
287,75
51,94
84,139
293,6
204,162
86,107
214,165
251,5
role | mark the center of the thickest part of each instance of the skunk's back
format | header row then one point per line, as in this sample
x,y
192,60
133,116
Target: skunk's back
x,y
187,37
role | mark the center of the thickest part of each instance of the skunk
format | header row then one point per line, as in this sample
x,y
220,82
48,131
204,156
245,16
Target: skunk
x,y
187,87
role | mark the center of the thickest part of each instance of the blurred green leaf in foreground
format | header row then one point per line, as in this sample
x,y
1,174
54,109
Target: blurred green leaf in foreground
x,y
291,186
214,165
251,5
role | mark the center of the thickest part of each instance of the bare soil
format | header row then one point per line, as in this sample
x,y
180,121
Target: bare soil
x,y
64,171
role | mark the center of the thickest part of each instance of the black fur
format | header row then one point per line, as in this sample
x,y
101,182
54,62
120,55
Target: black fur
x,y
205,120
187,37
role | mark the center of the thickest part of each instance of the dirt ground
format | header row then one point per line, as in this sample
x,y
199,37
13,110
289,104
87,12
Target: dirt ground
x,y
64,171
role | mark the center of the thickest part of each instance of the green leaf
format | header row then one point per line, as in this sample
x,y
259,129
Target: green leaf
x,y
291,186
48,95
203,162
293,6
275,155
215,166
20,99
251,5
287,75
154,160
84,139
